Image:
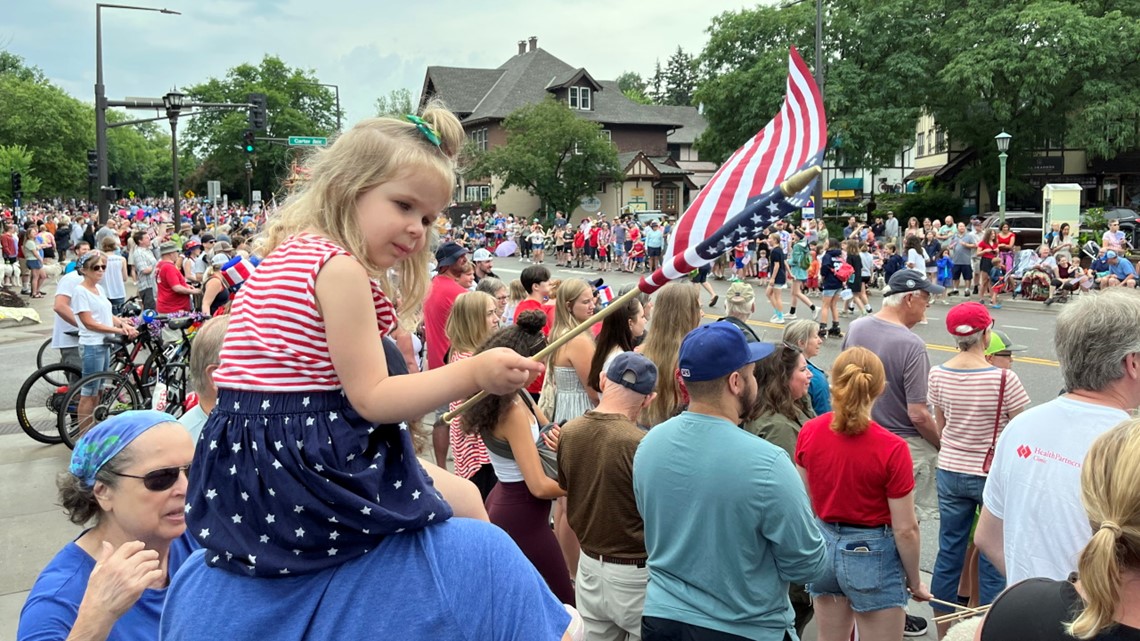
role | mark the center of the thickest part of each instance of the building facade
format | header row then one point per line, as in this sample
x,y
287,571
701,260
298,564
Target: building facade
x,y
654,143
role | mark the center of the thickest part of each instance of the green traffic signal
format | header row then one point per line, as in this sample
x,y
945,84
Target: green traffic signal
x,y
248,138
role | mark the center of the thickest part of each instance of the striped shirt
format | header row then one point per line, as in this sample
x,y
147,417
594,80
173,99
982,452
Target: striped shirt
x,y
468,449
968,399
276,339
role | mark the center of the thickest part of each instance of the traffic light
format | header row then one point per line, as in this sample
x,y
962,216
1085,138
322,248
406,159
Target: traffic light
x,y
247,139
258,116
17,183
92,164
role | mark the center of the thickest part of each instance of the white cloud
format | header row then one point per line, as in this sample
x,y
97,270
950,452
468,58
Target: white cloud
x,y
367,48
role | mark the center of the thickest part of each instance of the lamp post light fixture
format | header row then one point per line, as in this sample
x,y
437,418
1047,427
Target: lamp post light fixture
x,y
1003,146
173,102
101,102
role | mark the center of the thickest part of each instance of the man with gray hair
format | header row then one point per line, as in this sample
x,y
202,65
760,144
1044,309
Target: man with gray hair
x,y
595,467
204,360
1033,524
902,408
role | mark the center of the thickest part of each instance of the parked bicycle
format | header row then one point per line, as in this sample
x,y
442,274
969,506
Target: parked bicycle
x,y
160,383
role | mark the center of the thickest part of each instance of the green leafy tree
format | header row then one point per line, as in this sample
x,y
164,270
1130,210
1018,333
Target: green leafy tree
x,y
634,87
874,76
679,79
552,154
18,158
297,106
398,103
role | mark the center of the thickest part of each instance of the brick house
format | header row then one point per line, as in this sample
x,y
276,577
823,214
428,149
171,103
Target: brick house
x,y
654,143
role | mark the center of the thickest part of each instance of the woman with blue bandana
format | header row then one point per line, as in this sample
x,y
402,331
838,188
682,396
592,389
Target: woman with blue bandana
x,y
128,475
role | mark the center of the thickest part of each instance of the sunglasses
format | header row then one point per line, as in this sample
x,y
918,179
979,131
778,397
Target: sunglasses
x,y
98,268
159,480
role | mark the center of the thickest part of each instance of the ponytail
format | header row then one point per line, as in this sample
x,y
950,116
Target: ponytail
x,y
1110,492
857,379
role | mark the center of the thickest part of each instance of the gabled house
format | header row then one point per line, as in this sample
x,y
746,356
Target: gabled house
x,y
654,143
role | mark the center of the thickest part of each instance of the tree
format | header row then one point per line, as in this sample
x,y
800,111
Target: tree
x,y
297,106
19,159
397,103
550,153
873,79
633,86
679,80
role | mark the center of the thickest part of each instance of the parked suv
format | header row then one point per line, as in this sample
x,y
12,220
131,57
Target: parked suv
x,y
1027,225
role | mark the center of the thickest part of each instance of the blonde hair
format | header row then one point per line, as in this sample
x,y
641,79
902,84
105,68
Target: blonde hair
x,y
518,292
564,320
373,152
857,379
467,322
677,312
1110,493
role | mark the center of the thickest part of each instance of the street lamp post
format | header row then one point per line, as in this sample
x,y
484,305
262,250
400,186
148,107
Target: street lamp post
x,y
1003,146
173,102
101,102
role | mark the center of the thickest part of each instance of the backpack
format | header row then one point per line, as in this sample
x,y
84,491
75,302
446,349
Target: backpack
x,y
801,257
844,271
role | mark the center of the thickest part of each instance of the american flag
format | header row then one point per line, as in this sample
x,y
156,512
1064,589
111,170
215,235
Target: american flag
x,y
743,197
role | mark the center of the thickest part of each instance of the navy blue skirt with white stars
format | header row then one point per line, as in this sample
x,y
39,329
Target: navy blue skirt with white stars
x,y
294,483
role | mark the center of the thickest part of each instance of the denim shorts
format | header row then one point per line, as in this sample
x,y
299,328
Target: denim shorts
x,y
865,568
828,293
96,358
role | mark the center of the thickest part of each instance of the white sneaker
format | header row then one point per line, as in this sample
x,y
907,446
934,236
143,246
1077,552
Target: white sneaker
x,y
815,314
777,319
789,316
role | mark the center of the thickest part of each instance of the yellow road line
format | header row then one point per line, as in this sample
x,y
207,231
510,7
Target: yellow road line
x,y
1030,360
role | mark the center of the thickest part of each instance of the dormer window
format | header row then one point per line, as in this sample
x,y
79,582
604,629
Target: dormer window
x,y
580,98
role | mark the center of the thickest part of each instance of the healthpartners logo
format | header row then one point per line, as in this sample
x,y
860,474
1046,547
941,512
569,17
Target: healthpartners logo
x,y
1039,455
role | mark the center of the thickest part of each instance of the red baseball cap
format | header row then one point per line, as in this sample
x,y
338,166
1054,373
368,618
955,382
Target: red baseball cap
x,y
968,318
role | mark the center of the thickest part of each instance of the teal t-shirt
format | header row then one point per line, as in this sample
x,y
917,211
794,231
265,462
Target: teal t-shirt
x,y
728,526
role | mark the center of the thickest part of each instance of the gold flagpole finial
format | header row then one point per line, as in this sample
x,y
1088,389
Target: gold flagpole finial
x,y
796,183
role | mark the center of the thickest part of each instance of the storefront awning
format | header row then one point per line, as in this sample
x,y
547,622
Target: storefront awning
x,y
844,184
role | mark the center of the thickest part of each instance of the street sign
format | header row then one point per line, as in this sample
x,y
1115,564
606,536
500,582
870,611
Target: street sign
x,y
131,193
307,141
256,196
189,194
214,190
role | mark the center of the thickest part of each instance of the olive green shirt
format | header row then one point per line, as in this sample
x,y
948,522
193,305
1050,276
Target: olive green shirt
x,y
779,430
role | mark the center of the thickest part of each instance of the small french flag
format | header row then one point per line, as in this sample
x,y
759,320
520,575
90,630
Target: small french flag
x,y
605,295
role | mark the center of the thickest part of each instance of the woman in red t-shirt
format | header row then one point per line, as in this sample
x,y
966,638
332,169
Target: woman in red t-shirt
x,y
987,255
861,483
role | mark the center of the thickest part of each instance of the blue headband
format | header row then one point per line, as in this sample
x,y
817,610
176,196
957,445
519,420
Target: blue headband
x,y
104,441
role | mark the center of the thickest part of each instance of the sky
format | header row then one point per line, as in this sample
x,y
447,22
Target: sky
x,y
368,48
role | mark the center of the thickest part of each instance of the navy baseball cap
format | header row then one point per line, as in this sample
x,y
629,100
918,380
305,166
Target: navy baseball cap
x,y
716,350
633,371
448,254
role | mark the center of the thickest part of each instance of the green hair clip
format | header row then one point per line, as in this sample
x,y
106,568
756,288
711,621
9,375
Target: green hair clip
x,y
427,130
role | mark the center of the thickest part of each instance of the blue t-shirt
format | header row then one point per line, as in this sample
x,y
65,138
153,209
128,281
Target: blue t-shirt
x,y
461,579
53,603
1122,269
654,238
724,559
818,390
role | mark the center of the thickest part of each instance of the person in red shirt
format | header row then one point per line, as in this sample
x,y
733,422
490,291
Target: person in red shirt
x,y
451,263
536,281
860,480
173,291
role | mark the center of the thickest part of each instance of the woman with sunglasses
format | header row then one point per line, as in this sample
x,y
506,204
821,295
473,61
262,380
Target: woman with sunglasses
x,y
128,475
92,308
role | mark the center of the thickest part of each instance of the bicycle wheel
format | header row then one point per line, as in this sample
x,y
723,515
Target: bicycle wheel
x,y
49,355
39,401
114,394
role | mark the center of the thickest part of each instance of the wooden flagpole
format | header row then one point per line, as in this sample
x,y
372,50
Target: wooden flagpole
x,y
793,185
553,347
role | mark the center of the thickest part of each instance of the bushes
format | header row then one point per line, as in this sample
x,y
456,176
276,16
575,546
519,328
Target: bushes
x,y
935,204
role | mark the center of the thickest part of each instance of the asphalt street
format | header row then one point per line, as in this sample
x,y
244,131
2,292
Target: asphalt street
x,y
33,529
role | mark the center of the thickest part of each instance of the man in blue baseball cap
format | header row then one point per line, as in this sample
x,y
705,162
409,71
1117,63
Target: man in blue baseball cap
x,y
728,524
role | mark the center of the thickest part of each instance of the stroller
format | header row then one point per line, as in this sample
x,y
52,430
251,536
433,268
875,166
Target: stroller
x,y
1025,280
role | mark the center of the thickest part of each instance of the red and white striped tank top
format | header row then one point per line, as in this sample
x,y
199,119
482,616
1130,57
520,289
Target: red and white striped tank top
x,y
276,337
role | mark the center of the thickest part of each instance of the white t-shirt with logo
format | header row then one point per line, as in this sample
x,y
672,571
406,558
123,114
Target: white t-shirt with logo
x,y
59,329
99,307
1034,485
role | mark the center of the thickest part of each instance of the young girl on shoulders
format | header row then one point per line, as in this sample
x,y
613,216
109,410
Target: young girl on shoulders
x,y
304,463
